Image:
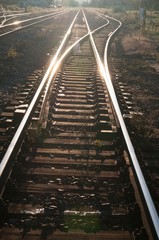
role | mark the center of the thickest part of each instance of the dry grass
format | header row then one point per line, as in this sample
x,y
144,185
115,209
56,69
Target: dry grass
x,y
140,73
137,44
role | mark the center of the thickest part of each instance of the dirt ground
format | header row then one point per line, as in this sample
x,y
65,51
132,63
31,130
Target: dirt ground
x,y
28,50
139,52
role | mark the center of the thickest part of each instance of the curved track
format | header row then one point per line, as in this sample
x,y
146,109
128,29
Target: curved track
x,y
73,176
20,24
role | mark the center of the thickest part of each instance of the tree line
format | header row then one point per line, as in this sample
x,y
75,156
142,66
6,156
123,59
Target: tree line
x,y
123,4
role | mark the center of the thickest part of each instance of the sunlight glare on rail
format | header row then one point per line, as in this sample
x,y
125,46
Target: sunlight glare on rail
x,y
106,76
16,22
147,196
51,70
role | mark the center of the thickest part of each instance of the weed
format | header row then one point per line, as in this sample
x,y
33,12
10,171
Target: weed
x,y
12,53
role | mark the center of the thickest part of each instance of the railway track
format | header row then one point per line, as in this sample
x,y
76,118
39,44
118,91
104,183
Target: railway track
x,y
67,172
21,21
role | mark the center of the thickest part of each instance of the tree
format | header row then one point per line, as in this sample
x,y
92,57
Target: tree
x,y
50,2
73,3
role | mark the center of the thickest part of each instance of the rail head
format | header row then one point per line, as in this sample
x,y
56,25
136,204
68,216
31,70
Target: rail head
x,y
47,17
106,75
46,81
104,69
16,140
142,183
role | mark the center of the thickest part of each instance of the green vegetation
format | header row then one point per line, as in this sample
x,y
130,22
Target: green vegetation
x,y
12,53
87,223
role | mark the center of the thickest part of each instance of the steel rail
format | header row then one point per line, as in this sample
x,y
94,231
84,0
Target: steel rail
x,y
106,75
47,78
31,24
29,19
58,64
143,186
10,16
6,20
138,171
16,14
20,130
13,12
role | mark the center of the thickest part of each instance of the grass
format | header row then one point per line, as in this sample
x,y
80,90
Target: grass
x,y
86,223
137,41
141,52
12,53
137,44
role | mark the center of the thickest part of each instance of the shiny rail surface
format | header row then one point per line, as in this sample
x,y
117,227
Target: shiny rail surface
x,y
81,137
20,25
140,177
145,191
27,116
8,17
138,171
